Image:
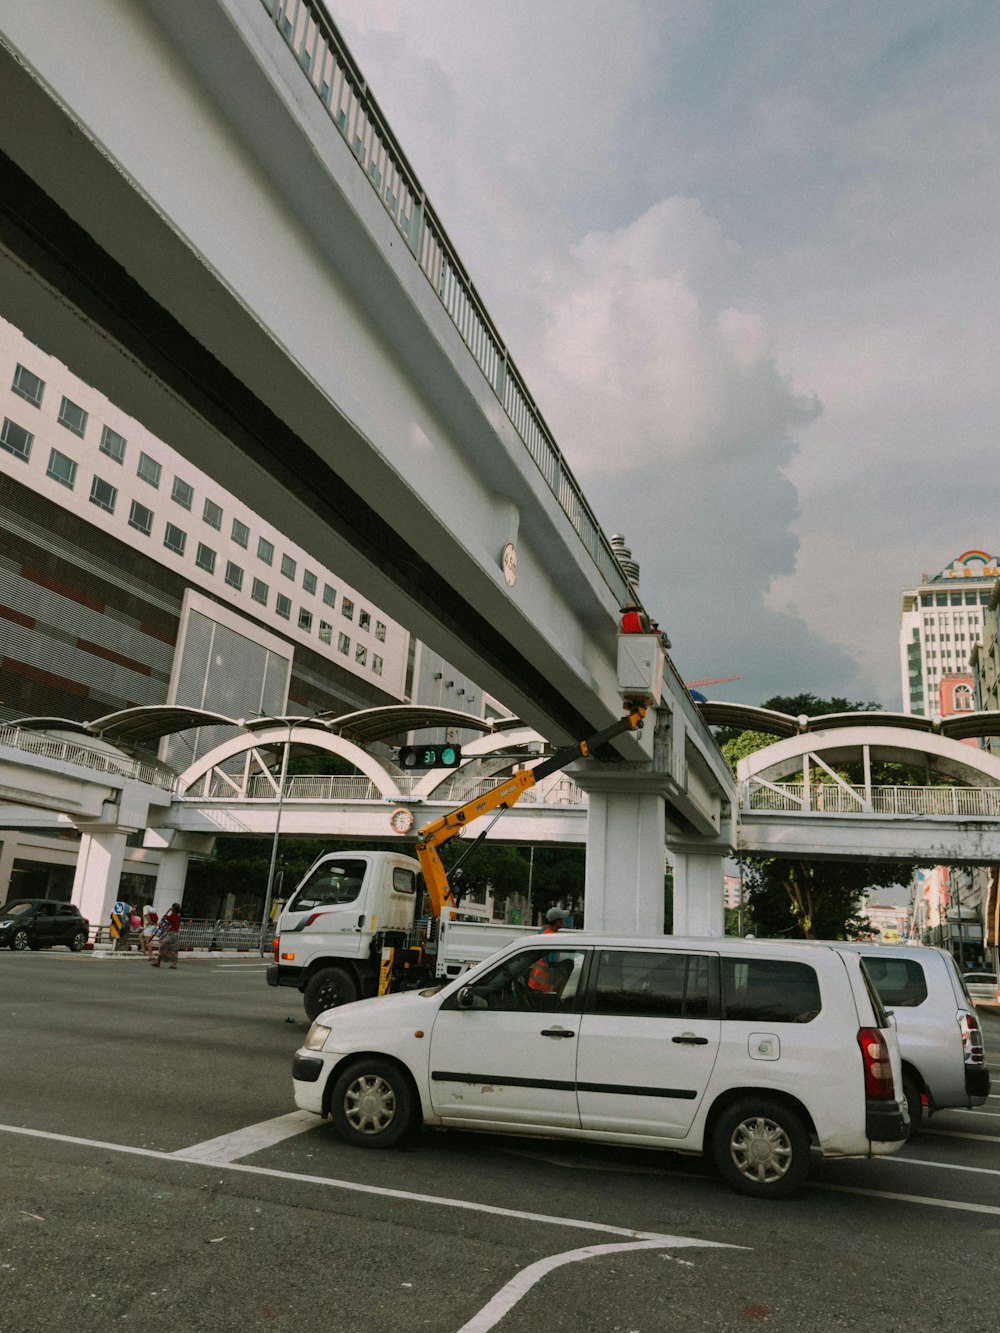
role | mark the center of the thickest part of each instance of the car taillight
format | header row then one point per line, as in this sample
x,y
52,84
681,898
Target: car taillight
x,y
878,1069
972,1039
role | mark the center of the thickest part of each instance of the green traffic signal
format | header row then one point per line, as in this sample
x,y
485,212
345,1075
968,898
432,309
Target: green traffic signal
x,y
417,757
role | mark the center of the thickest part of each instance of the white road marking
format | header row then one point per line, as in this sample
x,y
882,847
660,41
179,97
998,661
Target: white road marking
x,y
960,1134
973,1110
254,1138
507,1297
353,1187
943,1166
954,1204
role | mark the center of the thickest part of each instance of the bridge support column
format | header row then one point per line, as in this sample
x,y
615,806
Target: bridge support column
x,y
98,871
626,852
170,879
699,893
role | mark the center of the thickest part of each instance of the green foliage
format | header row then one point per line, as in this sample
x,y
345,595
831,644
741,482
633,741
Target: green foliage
x,y
814,899
743,743
808,704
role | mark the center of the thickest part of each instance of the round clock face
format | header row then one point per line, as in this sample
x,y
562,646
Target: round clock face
x,y
508,563
401,820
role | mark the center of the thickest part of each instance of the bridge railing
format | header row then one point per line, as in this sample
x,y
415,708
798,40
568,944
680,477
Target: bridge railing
x,y
338,83
830,799
301,787
72,752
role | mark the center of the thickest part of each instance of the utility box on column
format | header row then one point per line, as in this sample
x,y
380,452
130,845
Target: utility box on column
x,y
640,667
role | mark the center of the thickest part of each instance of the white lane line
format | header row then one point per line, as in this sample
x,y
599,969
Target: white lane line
x,y
973,1110
943,1166
254,1138
378,1191
507,1297
960,1134
953,1204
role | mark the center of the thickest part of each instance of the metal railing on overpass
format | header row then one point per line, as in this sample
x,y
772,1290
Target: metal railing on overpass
x,y
831,799
323,56
97,761
260,787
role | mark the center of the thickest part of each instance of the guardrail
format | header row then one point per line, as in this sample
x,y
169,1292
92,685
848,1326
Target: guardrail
x,y
830,799
73,752
260,787
195,933
325,61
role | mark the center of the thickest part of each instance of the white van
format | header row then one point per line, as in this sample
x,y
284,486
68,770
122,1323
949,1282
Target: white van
x,y
749,1052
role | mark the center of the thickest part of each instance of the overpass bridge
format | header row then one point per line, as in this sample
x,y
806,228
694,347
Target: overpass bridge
x,y
234,248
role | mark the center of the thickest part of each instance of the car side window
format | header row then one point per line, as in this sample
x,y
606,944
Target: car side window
x,y
655,984
769,990
544,979
900,982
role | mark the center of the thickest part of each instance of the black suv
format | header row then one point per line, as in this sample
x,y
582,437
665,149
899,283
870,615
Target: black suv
x,y
36,923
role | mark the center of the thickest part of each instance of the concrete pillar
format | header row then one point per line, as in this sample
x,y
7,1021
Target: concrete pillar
x,y
8,851
626,851
170,879
98,871
699,892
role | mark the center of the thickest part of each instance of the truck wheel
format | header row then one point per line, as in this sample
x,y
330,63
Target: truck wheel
x,y
328,988
372,1103
911,1091
760,1147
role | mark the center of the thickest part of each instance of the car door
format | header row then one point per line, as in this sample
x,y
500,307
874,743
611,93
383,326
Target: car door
x,y
649,1039
511,1059
331,902
45,926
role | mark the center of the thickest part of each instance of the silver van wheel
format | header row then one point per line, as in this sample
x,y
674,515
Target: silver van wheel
x,y
761,1147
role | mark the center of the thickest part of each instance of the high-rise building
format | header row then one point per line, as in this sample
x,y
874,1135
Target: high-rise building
x,y
941,621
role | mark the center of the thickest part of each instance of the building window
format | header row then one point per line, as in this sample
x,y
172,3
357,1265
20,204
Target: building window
x,y
241,534
305,620
112,444
376,664
380,631
61,469
149,470
361,654
74,418
28,386
329,595
283,606
265,551
175,539
288,566
308,581
364,620
182,493
140,518
347,608
234,576
15,439
259,591
205,559
103,494
325,631
212,514
343,643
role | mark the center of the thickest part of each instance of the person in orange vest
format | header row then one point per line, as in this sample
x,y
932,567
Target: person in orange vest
x,y
544,977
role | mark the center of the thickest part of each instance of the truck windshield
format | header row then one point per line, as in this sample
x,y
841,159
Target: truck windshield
x,y
332,883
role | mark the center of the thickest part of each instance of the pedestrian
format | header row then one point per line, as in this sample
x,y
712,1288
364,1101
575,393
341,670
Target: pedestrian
x,y
546,976
169,930
149,923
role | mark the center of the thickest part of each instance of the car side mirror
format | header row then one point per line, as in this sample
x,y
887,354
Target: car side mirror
x,y
468,999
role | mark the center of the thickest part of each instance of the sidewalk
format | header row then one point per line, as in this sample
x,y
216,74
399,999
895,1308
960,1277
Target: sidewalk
x,y
105,953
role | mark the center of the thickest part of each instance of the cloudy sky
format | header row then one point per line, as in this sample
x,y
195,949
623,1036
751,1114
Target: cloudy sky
x,y
745,255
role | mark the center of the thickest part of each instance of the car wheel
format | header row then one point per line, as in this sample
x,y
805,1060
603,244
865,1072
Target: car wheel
x,y
20,940
79,941
372,1103
911,1091
328,988
760,1147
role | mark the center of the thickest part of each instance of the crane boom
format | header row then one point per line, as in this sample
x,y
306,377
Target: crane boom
x,y
439,831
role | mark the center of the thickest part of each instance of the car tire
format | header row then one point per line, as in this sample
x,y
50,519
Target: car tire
x,y
329,988
20,940
760,1147
911,1091
79,941
372,1103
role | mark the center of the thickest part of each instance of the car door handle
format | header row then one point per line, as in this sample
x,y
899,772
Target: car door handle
x,y
557,1032
689,1041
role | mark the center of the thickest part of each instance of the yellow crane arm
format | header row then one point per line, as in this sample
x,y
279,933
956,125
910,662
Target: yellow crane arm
x,y
502,797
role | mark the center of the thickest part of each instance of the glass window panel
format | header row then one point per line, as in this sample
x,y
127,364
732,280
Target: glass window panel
x,y
73,417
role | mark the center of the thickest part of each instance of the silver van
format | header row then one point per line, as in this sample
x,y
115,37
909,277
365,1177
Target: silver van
x,y
940,1035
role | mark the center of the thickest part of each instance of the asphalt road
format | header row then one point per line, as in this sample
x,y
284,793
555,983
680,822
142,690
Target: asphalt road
x,y
154,1174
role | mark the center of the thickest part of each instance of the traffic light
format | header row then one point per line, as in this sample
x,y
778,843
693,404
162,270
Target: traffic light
x,y
430,756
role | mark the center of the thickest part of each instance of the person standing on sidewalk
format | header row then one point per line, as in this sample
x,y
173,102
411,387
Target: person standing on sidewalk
x,y
170,932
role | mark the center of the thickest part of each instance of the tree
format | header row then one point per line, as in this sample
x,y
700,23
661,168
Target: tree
x,y
814,899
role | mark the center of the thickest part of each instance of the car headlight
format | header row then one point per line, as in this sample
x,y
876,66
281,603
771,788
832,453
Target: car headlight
x,y
5,924
316,1037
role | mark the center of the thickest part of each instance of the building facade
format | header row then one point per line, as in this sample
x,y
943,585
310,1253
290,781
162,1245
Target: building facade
x,y
941,621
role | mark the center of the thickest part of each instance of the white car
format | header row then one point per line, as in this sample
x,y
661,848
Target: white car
x,y
749,1052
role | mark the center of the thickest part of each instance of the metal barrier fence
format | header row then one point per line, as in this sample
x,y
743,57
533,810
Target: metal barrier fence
x,y
72,752
195,933
827,798
320,51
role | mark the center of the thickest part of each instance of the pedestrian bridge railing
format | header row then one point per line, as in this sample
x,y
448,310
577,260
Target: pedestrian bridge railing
x,y
84,756
262,787
832,799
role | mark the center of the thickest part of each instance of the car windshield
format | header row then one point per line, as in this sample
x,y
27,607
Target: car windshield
x,y
16,909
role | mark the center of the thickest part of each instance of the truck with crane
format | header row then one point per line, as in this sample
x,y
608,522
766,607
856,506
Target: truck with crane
x,y
357,924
